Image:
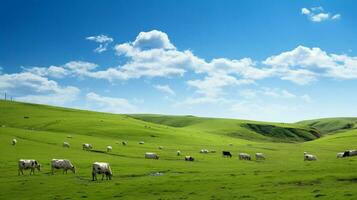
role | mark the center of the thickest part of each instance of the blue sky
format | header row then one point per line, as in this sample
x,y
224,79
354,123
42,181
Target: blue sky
x,y
261,60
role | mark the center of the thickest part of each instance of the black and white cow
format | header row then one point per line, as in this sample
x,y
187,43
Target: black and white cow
x,y
101,168
124,143
226,154
87,146
189,158
14,141
28,164
350,153
62,164
309,157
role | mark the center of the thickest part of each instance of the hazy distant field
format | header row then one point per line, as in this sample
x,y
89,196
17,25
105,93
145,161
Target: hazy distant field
x,y
283,175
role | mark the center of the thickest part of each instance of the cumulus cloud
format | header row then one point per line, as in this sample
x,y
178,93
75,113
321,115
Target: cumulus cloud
x,y
31,87
317,14
102,40
303,64
109,104
152,54
165,88
51,71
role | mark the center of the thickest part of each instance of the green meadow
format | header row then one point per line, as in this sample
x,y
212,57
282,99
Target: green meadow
x,y
41,130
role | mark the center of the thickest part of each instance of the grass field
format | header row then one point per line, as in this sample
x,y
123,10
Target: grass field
x,y
41,131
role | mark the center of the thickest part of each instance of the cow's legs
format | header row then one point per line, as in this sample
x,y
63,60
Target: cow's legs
x,y
103,176
94,175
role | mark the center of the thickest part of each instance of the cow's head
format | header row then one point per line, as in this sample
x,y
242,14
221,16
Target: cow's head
x,y
38,167
73,169
157,157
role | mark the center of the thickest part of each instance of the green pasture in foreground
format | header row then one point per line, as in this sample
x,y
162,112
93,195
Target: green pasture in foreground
x,y
41,131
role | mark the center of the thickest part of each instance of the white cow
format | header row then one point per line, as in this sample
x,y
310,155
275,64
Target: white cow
x,y
340,155
62,164
259,156
141,142
87,146
178,153
109,148
14,141
204,151
101,168
66,145
149,155
244,156
28,164
309,157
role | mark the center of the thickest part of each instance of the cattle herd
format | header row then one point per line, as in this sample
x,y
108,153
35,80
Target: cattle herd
x,y
104,169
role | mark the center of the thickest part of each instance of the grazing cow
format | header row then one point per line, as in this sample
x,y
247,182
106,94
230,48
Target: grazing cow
x,y
109,148
350,153
189,158
28,164
178,153
204,151
340,154
259,156
160,147
226,154
149,155
101,168
66,144
124,143
87,146
14,141
244,156
62,164
141,142
309,157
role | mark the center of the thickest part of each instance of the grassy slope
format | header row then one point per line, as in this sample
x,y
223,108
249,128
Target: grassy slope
x,y
331,125
282,176
251,130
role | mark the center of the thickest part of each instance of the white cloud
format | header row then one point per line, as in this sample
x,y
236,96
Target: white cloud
x,y
302,65
152,54
336,16
317,14
152,40
51,71
103,41
165,88
31,87
109,104
305,11
298,76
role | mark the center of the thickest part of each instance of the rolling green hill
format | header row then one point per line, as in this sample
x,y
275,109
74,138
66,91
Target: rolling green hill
x,y
252,130
41,131
331,125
